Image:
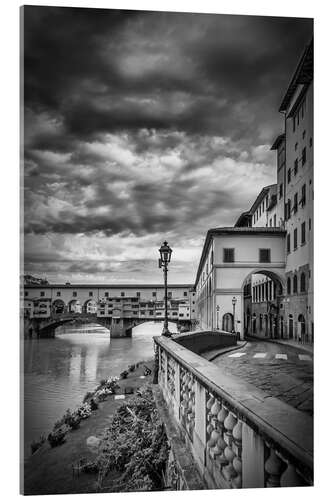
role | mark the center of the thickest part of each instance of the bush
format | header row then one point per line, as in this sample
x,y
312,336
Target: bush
x,y
88,396
93,404
58,436
134,446
124,374
35,445
84,411
72,419
131,368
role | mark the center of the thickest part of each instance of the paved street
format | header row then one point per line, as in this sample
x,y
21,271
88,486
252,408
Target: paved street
x,y
279,370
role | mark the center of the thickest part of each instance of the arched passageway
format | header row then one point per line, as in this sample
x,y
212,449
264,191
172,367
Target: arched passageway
x,y
263,291
74,306
301,329
227,322
58,307
89,307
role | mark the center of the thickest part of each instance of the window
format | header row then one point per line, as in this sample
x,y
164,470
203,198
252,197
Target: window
x,y
169,295
281,190
90,294
288,243
58,294
303,197
303,156
138,294
228,255
295,238
289,175
102,312
288,286
270,222
303,283
287,209
295,203
274,220
106,294
74,294
42,294
303,233
151,313
296,166
264,254
26,294
122,294
154,294
303,135
185,294
295,284
296,146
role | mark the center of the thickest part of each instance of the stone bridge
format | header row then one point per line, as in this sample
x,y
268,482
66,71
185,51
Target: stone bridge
x,y
118,327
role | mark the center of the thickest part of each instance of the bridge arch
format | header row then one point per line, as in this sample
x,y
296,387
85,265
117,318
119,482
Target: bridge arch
x,y
74,306
58,306
89,306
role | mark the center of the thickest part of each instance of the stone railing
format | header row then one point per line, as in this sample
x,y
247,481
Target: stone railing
x,y
239,437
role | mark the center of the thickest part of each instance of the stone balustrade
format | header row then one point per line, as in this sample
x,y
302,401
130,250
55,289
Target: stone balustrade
x,y
239,436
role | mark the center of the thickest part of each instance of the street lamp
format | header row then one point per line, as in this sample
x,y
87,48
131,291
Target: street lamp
x,y
217,316
163,261
234,302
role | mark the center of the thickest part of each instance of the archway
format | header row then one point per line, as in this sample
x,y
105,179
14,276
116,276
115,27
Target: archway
x,y
90,307
74,306
263,291
58,307
301,328
227,322
291,326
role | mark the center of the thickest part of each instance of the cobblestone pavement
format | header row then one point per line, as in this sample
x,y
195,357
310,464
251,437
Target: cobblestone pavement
x,y
281,371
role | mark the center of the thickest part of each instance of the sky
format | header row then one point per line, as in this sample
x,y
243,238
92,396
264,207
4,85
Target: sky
x,y
141,127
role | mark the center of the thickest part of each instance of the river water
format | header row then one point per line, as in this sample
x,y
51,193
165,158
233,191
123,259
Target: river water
x,y
58,372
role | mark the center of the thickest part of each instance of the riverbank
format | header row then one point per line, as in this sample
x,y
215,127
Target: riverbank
x,y
50,470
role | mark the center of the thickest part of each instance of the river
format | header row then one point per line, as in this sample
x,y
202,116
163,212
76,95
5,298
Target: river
x,y
59,371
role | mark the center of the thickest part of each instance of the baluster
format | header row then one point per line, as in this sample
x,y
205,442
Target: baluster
x,y
274,468
229,424
290,477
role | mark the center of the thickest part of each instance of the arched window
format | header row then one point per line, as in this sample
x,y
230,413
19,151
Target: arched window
x,y
288,286
303,283
295,284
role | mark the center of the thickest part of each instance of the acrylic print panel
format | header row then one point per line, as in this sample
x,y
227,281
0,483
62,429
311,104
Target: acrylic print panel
x,y
167,286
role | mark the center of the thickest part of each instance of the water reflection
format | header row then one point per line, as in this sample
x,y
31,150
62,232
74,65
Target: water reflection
x,y
58,372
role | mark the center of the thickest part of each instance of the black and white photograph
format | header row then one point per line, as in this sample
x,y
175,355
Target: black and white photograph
x,y
167,271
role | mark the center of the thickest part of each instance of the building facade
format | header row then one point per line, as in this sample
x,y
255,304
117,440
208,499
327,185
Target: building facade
x,y
273,304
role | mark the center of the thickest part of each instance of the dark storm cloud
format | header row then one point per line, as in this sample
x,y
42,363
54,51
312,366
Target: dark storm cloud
x,y
79,64
140,124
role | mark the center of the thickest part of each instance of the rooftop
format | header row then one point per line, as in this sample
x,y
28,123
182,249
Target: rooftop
x,y
303,75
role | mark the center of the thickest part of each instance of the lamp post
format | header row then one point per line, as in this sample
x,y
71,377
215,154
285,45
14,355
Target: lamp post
x,y
165,252
234,302
217,316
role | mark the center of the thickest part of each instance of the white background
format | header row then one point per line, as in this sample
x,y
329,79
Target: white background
x,y
10,230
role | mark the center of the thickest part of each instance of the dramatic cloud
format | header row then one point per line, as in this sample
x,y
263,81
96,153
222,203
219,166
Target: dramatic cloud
x,y
141,126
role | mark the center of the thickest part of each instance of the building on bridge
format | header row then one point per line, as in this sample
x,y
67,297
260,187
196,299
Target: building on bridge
x,y
270,302
119,307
